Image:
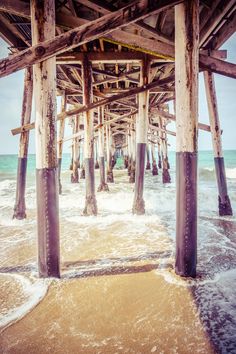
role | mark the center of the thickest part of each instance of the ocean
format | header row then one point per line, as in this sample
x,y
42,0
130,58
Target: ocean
x,y
118,292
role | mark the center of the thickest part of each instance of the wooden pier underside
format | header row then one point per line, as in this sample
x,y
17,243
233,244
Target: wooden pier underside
x,y
118,64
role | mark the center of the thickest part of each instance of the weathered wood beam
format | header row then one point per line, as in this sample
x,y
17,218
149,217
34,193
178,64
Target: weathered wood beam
x,y
105,9
101,57
217,16
161,83
43,29
186,84
154,47
158,129
22,9
82,34
166,115
224,33
217,66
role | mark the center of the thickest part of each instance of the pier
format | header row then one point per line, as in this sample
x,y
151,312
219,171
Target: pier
x,y
118,70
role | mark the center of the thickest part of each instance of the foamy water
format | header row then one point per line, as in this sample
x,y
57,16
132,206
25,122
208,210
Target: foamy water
x,y
115,240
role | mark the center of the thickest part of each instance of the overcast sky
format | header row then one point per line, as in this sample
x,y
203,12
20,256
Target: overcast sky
x,y
11,90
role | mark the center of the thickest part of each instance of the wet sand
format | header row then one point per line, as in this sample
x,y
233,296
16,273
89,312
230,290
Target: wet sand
x,y
126,313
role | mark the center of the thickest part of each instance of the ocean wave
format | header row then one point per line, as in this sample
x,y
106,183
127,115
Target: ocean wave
x,y
208,173
23,292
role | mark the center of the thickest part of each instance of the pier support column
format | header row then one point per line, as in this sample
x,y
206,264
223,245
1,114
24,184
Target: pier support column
x,y
19,208
186,86
60,142
103,185
110,178
43,28
75,151
154,163
141,141
129,151
96,155
90,202
132,156
148,165
165,163
224,201
159,153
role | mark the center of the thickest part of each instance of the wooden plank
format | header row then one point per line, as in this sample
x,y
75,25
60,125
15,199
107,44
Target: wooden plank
x,y
82,34
100,57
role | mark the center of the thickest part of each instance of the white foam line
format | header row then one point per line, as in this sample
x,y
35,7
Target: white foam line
x,y
36,293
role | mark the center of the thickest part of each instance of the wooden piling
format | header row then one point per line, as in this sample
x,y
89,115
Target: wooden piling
x,y
165,163
141,141
148,164
90,199
132,156
154,163
110,177
75,151
96,154
186,81
43,28
60,142
223,198
19,208
159,152
101,151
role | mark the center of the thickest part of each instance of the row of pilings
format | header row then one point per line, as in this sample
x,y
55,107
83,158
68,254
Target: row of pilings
x,y
48,160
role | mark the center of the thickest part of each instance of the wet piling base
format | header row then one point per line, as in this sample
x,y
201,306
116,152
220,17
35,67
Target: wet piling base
x,y
82,173
166,176
154,169
48,222
19,208
59,174
96,165
159,161
139,204
103,185
110,177
148,166
129,167
126,162
223,198
186,214
75,176
90,199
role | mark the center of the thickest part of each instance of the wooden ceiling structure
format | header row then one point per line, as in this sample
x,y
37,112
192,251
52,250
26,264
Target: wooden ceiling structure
x,y
119,63
116,57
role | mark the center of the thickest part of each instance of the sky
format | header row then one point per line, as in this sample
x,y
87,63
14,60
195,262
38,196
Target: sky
x,y
11,92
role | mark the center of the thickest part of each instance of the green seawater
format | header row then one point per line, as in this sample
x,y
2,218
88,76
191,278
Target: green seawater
x,y
8,163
